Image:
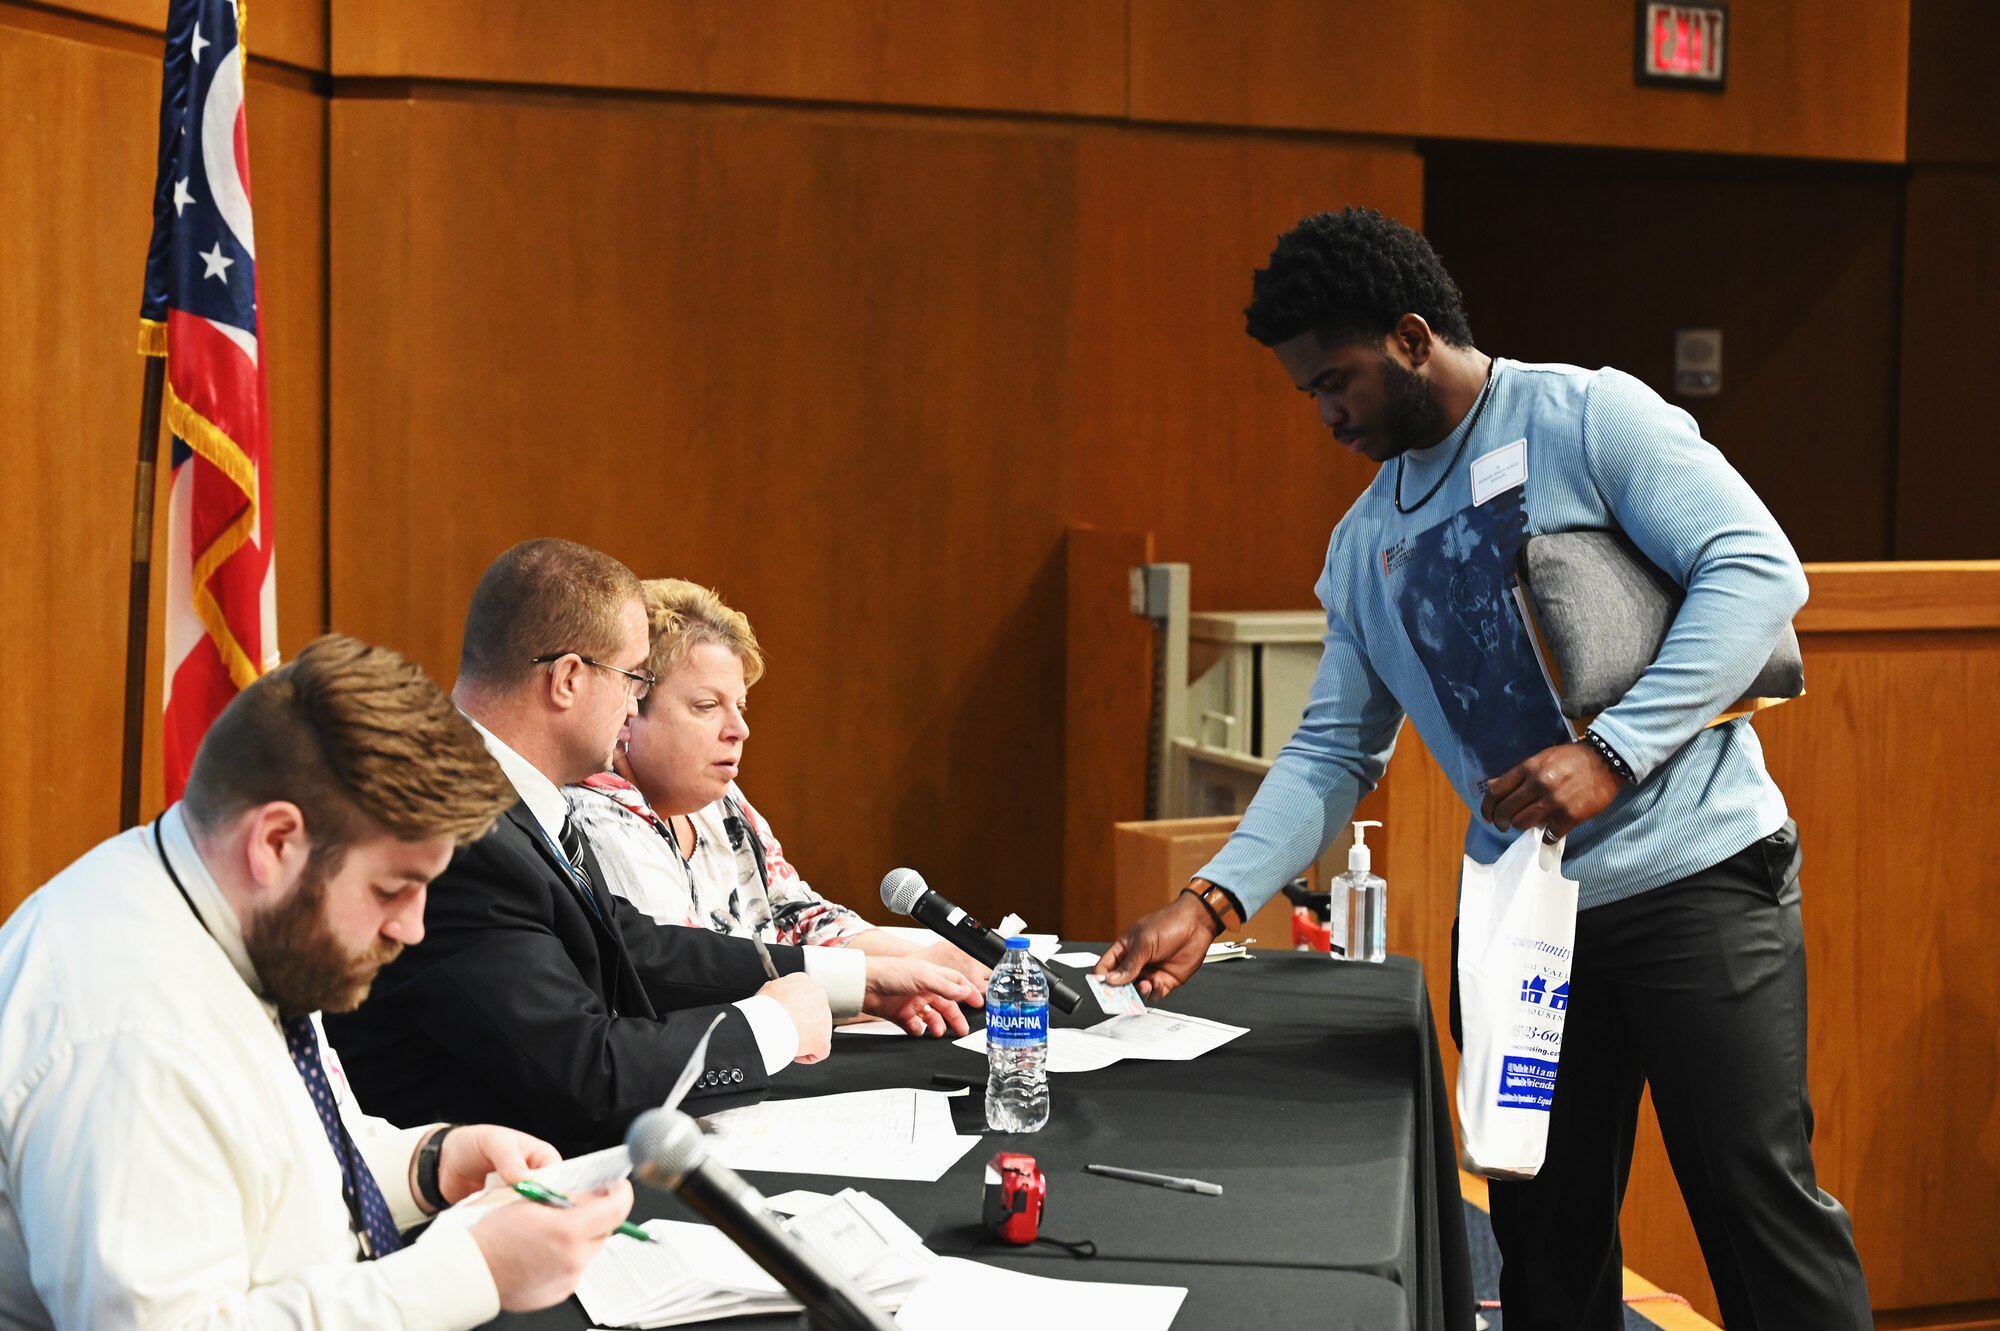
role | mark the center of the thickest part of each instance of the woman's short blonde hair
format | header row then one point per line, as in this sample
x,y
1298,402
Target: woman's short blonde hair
x,y
682,615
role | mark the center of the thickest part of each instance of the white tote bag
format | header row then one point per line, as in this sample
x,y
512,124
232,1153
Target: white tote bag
x,y
1516,929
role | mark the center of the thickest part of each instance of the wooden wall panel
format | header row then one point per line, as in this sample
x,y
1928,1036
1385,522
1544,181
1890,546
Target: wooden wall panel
x,y
1953,114
1423,839
1901,904
1946,466
1060,56
810,361
1186,427
1107,650
291,32
843,367
288,129
78,130
1807,78
1797,264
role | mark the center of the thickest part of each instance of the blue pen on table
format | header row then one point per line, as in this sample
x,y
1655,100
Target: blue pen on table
x,y
536,1192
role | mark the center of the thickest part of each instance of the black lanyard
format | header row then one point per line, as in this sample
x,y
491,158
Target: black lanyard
x,y
1478,409
160,849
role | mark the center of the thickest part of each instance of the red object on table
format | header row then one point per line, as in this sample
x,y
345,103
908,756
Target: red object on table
x,y
1310,933
1015,1194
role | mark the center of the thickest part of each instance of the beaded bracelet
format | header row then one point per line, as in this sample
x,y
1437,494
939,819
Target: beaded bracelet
x,y
1611,757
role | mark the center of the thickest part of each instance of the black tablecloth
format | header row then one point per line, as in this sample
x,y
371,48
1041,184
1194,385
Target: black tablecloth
x,y
1327,1126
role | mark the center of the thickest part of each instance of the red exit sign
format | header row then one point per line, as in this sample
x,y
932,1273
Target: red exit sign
x,y
1683,46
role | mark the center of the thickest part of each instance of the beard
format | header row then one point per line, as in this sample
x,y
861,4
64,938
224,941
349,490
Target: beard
x,y
1410,412
303,967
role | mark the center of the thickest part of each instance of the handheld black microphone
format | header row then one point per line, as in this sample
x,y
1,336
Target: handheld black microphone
x,y
905,892
667,1153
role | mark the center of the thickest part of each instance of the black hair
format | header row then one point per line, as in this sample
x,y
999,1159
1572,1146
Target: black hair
x,y
1350,276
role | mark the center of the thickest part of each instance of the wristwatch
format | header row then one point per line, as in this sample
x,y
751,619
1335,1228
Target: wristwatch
x,y
428,1190
1219,904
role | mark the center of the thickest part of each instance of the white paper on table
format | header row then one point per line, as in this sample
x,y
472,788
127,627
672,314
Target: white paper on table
x,y
694,1272
1069,1050
1078,958
898,1133
1154,1034
797,1200
873,1026
965,1296
1169,1035
922,1162
690,1271
866,1240
897,1114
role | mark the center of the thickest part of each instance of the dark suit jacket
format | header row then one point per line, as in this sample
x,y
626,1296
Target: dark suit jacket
x,y
522,1006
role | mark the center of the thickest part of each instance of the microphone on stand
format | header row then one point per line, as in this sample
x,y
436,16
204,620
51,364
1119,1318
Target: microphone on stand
x,y
668,1153
905,892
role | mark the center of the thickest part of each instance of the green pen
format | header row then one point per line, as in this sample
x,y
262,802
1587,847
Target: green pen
x,y
535,1192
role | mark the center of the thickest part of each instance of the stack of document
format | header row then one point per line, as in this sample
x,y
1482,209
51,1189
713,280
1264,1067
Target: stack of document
x,y
897,1133
693,1272
1151,1034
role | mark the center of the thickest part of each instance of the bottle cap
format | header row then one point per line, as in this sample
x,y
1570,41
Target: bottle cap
x,y
1357,854
1017,945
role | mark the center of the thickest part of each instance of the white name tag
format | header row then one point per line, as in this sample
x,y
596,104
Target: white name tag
x,y
1502,469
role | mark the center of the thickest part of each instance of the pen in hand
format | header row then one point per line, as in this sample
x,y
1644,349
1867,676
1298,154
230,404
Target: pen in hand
x,y
535,1192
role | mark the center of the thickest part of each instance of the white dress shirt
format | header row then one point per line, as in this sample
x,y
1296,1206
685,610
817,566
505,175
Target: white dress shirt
x,y
842,975
161,1163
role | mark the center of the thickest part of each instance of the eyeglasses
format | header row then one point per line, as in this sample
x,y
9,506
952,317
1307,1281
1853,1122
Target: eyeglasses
x,y
640,682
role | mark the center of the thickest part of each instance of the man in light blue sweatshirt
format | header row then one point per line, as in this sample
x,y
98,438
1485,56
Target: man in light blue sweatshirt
x,y
1689,969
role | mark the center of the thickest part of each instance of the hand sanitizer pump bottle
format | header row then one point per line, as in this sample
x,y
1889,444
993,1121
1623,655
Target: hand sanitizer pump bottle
x,y
1360,906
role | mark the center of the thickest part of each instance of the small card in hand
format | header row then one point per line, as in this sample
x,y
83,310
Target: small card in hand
x,y
1116,999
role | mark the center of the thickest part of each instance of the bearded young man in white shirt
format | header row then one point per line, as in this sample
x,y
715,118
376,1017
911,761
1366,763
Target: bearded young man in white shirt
x,y
173,1150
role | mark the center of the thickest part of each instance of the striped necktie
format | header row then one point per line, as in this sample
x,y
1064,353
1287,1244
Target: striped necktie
x,y
358,1188
571,838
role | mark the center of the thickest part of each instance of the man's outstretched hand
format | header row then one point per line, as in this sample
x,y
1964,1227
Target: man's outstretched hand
x,y
920,996
1554,790
1161,950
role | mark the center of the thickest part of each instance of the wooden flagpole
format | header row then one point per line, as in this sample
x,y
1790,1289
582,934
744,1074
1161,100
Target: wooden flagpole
x,y
141,595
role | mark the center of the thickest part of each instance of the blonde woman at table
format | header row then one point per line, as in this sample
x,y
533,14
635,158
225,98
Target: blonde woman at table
x,y
674,833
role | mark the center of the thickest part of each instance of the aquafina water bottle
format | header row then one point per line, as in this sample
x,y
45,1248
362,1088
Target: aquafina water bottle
x,y
1017,1043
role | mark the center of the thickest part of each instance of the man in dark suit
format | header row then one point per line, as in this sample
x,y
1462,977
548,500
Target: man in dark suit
x,y
538,999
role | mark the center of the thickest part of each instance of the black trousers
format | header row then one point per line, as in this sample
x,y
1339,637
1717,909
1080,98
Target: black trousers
x,y
1697,987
